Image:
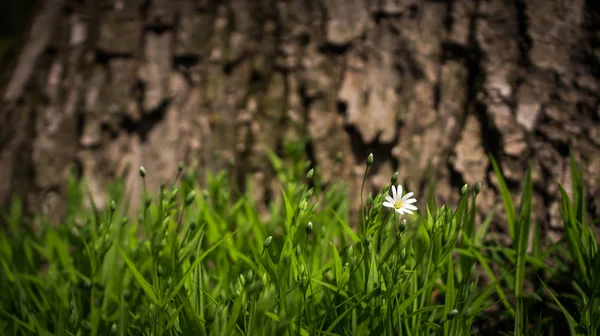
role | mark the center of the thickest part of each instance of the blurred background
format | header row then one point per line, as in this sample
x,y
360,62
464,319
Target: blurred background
x,y
431,88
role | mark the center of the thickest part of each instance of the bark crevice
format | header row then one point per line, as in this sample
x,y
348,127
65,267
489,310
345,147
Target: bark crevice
x,y
430,88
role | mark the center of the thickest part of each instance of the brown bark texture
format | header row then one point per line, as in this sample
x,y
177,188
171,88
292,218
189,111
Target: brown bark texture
x,y
429,87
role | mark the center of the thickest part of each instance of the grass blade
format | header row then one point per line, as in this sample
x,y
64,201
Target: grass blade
x,y
138,276
523,231
509,207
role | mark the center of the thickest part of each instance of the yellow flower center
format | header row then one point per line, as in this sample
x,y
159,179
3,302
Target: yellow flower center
x,y
398,204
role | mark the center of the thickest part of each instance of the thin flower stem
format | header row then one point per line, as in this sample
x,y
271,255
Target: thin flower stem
x,y
363,221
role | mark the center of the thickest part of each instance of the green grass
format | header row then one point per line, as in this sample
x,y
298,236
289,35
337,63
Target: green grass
x,y
199,261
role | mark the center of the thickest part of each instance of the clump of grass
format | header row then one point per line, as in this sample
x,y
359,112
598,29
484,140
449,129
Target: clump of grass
x,y
201,261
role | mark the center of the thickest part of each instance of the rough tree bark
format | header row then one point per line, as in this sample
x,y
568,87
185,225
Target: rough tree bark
x,y
429,87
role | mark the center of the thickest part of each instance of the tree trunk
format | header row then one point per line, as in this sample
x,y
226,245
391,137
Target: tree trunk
x,y
430,87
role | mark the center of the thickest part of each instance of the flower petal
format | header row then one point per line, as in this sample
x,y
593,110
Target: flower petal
x,y
410,207
389,198
394,192
407,196
408,211
400,211
388,204
399,190
409,201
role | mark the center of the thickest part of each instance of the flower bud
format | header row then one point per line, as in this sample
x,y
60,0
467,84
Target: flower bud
x,y
148,201
394,178
267,242
298,251
189,199
113,206
310,174
174,193
402,226
142,171
370,200
180,167
370,160
451,314
309,228
249,276
339,157
464,189
478,188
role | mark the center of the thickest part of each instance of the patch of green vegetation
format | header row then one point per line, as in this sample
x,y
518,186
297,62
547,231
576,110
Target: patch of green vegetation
x,y
199,261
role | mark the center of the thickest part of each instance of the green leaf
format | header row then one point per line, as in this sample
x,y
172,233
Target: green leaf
x,y
483,228
523,231
572,234
273,316
488,270
289,210
570,320
16,212
509,207
18,321
354,306
450,293
578,191
193,266
138,276
64,256
372,280
520,317
234,315
346,228
337,264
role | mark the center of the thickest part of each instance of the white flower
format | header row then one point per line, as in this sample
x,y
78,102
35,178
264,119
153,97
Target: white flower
x,y
401,204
